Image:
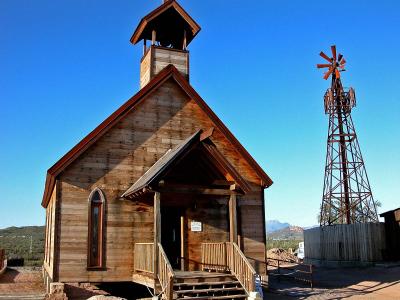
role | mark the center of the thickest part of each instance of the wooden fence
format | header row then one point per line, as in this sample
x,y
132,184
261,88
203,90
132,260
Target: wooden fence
x,y
287,269
352,243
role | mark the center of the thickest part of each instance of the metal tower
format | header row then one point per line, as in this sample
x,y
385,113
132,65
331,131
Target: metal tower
x,y
347,196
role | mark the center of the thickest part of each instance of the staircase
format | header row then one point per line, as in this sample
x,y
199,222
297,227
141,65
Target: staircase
x,y
226,272
207,285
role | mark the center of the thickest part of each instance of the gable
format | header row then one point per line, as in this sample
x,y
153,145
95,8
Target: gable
x,y
224,139
196,160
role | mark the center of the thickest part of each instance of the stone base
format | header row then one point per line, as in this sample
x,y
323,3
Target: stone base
x,y
254,296
56,292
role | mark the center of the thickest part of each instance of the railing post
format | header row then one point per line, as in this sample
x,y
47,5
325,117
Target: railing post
x,y
232,219
170,288
157,233
252,283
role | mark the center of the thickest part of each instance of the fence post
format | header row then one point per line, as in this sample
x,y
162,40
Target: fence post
x,y
279,271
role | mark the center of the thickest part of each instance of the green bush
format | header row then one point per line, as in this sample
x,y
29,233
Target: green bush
x,y
283,244
16,241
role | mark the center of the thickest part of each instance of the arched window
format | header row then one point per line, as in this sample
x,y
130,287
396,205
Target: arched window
x,y
96,229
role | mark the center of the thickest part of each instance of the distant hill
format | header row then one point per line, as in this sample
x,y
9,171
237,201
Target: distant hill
x,y
287,233
273,225
17,243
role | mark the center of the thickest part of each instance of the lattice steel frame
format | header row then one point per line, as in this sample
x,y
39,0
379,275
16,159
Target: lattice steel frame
x,y
347,196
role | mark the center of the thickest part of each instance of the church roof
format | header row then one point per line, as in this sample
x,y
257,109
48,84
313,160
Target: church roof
x,y
161,165
169,20
166,162
169,72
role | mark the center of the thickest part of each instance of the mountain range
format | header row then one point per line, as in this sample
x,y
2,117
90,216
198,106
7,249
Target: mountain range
x,y
287,233
274,225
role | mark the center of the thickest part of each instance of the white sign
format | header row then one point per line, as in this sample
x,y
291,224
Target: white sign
x,y
195,226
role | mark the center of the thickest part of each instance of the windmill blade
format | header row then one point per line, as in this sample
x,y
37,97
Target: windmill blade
x,y
343,61
342,66
340,57
337,73
320,66
327,74
333,48
322,54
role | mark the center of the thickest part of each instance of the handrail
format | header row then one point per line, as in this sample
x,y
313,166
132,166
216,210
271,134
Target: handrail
x,y
143,258
227,256
241,267
165,273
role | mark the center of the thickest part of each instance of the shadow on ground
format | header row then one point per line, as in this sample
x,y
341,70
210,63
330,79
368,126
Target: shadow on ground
x,y
342,283
127,290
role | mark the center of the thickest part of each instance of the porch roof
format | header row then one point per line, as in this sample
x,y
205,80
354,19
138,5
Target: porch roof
x,y
156,172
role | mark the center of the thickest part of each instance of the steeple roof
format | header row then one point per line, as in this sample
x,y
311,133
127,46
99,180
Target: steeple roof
x,y
170,21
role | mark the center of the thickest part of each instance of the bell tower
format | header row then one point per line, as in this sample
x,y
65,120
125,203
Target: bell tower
x,y
168,29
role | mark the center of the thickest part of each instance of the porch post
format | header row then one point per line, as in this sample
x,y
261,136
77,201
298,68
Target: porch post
x,y
157,233
232,219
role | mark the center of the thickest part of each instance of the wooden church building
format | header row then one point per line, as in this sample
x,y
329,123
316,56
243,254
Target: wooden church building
x,y
161,193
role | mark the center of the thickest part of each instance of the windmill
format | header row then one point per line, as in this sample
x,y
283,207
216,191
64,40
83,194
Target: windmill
x,y
347,196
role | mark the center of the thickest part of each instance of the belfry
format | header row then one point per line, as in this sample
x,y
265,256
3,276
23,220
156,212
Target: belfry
x,y
169,29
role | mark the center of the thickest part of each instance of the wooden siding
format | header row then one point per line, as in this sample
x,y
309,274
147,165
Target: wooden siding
x,y
215,228
164,57
117,160
157,58
251,228
50,235
145,69
353,243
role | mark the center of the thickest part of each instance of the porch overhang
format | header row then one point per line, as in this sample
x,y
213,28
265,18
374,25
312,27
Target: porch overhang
x,y
156,178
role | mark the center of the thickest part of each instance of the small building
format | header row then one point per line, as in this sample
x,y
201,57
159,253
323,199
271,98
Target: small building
x,y
392,233
161,193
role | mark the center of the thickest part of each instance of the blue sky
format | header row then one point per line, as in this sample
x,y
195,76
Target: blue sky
x,y
66,65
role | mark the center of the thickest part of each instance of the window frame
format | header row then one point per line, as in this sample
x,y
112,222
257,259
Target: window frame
x,y
99,264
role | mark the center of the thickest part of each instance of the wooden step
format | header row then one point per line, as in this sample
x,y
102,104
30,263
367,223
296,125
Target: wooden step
x,y
194,277
215,297
208,283
214,290
201,274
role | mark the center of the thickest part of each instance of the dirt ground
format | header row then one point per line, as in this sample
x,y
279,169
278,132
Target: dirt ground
x,y
22,281
380,283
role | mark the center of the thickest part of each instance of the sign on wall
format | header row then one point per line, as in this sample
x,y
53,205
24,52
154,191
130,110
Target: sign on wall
x,y
195,226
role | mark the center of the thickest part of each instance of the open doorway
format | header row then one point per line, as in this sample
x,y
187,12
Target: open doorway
x,y
171,234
